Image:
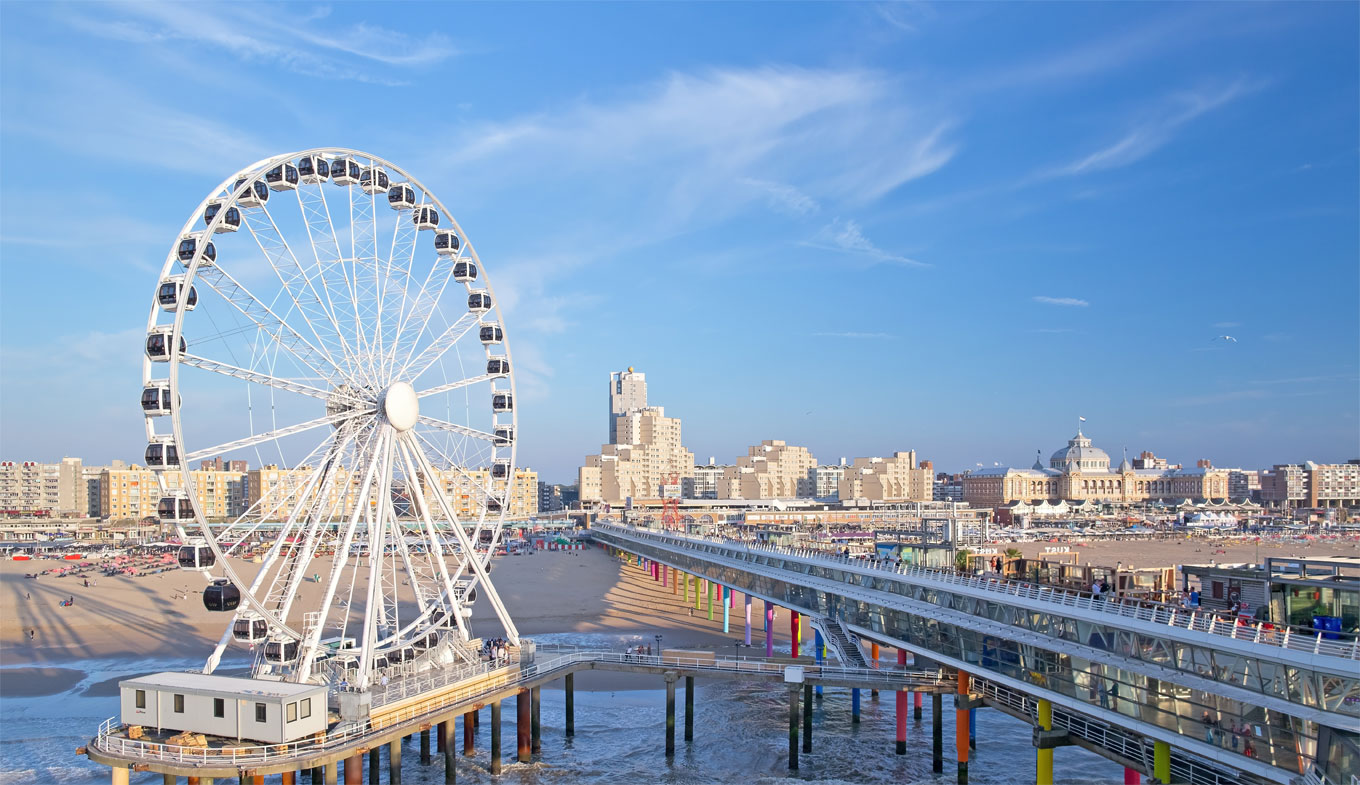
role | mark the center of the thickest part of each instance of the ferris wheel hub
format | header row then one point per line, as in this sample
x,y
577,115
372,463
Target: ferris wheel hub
x,y
401,406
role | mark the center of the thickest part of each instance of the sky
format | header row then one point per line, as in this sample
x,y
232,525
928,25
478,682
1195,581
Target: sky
x,y
860,228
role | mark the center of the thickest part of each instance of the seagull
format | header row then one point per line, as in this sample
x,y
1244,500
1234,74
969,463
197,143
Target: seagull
x,y
1224,338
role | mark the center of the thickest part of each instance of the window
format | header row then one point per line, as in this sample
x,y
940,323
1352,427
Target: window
x,y
141,699
306,708
179,704
219,707
292,712
260,712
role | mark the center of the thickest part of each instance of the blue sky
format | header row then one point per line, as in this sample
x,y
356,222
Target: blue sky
x,y
860,228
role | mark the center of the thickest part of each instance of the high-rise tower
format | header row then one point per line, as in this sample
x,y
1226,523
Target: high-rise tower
x,y
627,394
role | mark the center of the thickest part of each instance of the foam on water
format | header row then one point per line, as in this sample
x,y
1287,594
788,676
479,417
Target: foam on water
x,y
740,734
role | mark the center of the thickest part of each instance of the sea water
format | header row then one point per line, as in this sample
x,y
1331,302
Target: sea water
x,y
740,735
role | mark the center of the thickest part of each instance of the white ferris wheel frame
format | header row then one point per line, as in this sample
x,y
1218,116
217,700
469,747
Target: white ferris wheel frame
x,y
398,450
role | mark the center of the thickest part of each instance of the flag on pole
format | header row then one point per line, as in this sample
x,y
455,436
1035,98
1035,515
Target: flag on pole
x,y
1082,419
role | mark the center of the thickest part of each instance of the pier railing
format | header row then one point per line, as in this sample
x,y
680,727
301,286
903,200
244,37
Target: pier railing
x,y
111,741
1252,631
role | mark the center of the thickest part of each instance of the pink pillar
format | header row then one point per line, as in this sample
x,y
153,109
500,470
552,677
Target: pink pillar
x,y
1132,777
769,629
665,576
902,699
793,631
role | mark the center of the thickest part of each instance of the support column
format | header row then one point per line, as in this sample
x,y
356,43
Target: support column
x,y
916,710
469,732
684,579
1161,761
535,723
522,733
354,769
374,765
168,779
446,746
569,687
807,717
496,737
675,581
439,739
424,746
689,708
696,594
120,775
795,622
333,774
726,606
1044,767
818,653
873,663
1132,777
901,707
936,732
972,729
394,762
961,730
748,618
709,586
670,714
793,727
854,705
769,629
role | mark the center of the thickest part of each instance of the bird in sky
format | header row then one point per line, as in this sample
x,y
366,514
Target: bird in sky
x,y
1225,339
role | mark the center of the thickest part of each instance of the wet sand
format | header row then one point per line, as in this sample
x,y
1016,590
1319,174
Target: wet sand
x,y
34,682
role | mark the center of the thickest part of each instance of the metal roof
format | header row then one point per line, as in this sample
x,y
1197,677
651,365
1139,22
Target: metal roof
x,y
224,685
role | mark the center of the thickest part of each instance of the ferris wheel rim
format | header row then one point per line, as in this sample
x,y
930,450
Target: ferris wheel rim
x,y
254,172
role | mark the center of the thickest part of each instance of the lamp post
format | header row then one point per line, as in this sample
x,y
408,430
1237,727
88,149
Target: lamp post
x,y
658,645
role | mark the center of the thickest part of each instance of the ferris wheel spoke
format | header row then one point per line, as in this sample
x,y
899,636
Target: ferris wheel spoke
x,y
413,368
254,377
375,608
461,430
478,567
445,576
415,320
316,216
250,441
256,311
458,385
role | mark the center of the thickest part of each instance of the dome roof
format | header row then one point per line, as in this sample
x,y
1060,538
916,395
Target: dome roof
x,y
1079,455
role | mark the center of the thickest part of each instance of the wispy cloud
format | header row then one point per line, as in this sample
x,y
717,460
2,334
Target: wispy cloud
x,y
1153,132
677,146
854,335
904,16
1226,325
847,236
309,44
1072,301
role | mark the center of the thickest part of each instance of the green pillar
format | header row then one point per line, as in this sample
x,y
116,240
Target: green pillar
x,y
1161,762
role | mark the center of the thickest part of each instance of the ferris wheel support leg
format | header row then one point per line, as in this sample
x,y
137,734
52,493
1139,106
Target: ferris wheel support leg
x,y
374,607
216,656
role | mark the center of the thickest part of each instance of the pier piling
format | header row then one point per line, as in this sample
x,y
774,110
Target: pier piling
x,y
374,766
1043,774
916,710
689,708
900,707
795,621
446,747
747,603
496,737
670,714
393,763
818,653
793,727
769,629
354,769
854,705
333,774
120,775
469,732
961,729
569,686
807,717
535,722
523,748
424,747
936,732
726,606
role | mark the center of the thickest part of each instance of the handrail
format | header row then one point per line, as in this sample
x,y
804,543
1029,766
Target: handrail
x,y
1254,632
501,678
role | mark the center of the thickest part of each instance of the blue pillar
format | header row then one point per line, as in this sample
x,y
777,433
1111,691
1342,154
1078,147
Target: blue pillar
x,y
726,595
854,705
817,649
972,729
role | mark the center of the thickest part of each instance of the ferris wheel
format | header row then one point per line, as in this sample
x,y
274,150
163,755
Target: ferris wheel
x,y
322,317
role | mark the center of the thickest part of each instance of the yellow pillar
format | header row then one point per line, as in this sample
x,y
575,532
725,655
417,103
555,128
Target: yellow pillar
x,y
1161,761
1044,773
696,593
120,775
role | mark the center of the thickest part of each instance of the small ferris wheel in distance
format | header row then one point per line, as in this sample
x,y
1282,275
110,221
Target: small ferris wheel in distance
x,y
322,316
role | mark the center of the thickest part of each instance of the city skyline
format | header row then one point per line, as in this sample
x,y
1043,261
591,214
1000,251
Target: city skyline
x,y
854,228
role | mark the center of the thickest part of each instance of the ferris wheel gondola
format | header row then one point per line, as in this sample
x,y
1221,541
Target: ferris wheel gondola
x,y
331,349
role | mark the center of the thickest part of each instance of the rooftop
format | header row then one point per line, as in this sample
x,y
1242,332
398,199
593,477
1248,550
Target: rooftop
x,y
227,685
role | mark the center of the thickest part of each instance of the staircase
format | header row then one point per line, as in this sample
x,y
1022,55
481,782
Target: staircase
x,y
838,640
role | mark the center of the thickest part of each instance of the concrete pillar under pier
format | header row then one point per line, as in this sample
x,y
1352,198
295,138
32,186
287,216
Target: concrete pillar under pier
x,y
807,717
446,747
469,732
689,708
670,714
936,732
854,705
394,762
424,746
168,779
119,775
439,739
793,727
333,774
375,766
569,686
354,769
523,748
961,729
535,723
496,737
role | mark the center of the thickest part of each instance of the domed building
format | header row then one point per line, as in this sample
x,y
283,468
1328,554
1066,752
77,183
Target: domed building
x,y
1080,472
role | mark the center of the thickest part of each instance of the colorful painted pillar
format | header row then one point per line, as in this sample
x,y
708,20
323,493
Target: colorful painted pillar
x,y
794,623
961,724
873,663
726,605
354,769
818,653
684,578
972,729
675,581
901,707
916,710
748,618
1132,777
665,575
769,629
1043,774
854,705
697,607
522,733
1161,761
709,587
